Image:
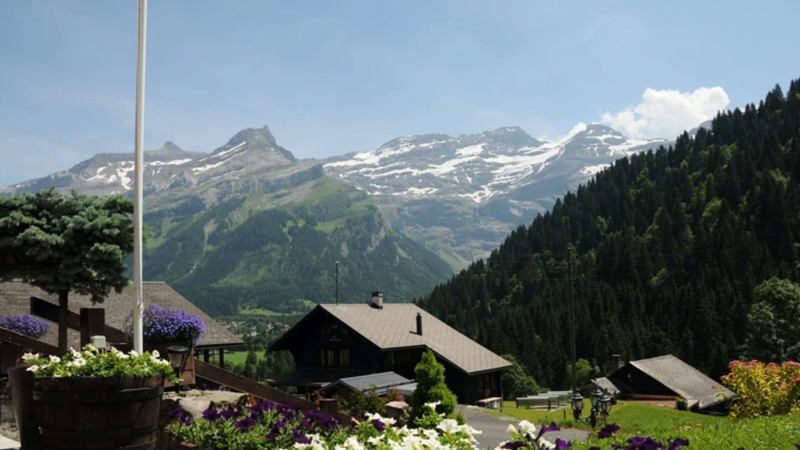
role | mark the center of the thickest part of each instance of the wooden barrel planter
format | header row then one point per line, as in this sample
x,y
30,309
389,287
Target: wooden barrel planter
x,y
98,413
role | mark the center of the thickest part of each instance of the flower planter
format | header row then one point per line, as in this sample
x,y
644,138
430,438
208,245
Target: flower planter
x,y
98,413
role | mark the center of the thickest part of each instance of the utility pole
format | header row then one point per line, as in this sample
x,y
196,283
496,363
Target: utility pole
x,y
572,321
336,275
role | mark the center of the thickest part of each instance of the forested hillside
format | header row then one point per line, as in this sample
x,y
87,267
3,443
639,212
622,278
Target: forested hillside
x,y
277,250
668,247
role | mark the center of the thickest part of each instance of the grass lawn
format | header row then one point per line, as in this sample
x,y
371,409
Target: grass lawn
x,y
234,358
703,432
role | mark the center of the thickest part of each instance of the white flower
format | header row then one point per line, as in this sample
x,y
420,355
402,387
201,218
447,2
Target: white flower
x,y
352,444
375,440
55,359
546,444
500,445
155,354
133,353
449,426
79,362
433,405
511,429
33,368
430,434
90,347
29,355
526,427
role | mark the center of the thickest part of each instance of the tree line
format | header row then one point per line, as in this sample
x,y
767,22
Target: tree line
x,y
666,248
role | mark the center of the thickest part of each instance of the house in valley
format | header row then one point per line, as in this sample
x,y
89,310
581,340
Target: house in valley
x,y
334,342
667,378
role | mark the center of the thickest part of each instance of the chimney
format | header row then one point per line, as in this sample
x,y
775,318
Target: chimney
x,y
615,360
377,299
419,324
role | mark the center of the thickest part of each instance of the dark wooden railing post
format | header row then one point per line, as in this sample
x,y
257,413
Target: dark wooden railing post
x,y
329,405
222,358
93,323
206,355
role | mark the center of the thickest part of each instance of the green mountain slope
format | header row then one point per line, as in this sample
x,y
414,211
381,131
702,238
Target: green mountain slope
x,y
669,246
277,250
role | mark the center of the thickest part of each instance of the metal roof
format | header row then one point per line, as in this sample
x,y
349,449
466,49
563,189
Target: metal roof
x,y
382,382
394,327
15,299
684,380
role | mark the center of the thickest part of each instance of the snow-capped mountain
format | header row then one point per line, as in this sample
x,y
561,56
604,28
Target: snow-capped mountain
x,y
170,172
463,194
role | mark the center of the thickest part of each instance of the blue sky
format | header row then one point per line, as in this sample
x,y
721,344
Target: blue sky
x,y
330,77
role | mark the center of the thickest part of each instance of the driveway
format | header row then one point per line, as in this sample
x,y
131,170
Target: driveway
x,y
494,428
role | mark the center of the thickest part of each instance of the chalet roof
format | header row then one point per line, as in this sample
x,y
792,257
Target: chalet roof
x,y
15,299
379,380
314,377
394,327
684,380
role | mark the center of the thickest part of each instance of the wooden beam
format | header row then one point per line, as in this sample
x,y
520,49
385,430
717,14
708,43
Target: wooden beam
x,y
222,358
93,323
49,311
27,342
243,384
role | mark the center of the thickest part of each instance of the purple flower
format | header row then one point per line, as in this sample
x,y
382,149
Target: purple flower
x,y
245,424
211,415
678,443
514,445
280,424
162,325
185,420
380,426
229,414
25,324
608,431
272,436
562,445
300,438
551,427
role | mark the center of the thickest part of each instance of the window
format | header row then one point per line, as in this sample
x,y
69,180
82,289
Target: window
x,y
331,357
344,357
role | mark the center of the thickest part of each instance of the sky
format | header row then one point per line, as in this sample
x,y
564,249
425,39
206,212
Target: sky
x,y
332,77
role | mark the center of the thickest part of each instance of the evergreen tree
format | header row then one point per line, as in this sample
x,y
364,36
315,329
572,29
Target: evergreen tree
x,y
773,324
431,387
66,243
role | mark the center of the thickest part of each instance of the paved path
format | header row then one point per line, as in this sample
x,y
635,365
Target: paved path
x,y
494,428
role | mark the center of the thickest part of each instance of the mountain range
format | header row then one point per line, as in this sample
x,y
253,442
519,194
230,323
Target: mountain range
x,y
251,225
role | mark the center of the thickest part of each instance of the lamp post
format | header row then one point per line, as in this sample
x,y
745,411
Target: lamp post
x,y
178,354
601,406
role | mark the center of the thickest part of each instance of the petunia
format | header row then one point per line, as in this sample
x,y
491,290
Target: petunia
x,y
245,424
211,415
514,445
562,445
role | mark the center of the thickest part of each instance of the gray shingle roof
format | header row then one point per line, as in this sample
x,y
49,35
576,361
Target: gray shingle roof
x,y
684,380
379,380
15,299
394,327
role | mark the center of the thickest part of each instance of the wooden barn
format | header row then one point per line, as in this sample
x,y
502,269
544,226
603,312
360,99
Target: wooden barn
x,y
340,341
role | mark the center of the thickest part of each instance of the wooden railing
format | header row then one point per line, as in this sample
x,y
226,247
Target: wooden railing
x,y
27,343
243,384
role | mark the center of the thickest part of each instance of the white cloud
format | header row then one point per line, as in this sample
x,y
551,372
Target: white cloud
x,y
667,113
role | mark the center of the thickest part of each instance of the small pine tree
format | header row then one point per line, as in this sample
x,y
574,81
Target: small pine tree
x,y
431,387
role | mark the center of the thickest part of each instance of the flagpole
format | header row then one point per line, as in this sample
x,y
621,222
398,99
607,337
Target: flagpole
x,y
138,306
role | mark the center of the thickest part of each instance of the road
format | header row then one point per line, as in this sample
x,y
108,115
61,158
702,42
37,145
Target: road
x,y
494,429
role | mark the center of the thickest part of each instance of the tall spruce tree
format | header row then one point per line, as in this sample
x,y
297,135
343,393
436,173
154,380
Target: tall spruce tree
x,y
66,243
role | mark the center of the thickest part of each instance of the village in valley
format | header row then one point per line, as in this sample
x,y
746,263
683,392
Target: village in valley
x,y
632,284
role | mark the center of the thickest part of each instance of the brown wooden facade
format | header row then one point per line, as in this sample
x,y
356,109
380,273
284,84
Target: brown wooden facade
x,y
321,341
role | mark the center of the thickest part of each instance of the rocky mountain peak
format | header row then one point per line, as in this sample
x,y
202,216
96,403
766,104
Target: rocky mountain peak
x,y
255,137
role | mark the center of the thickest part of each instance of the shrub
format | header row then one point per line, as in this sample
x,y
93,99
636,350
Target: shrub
x,y
359,404
763,389
163,325
681,404
431,388
25,324
393,395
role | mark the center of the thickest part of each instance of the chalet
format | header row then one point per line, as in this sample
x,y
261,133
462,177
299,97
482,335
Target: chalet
x,y
667,378
340,341
21,298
